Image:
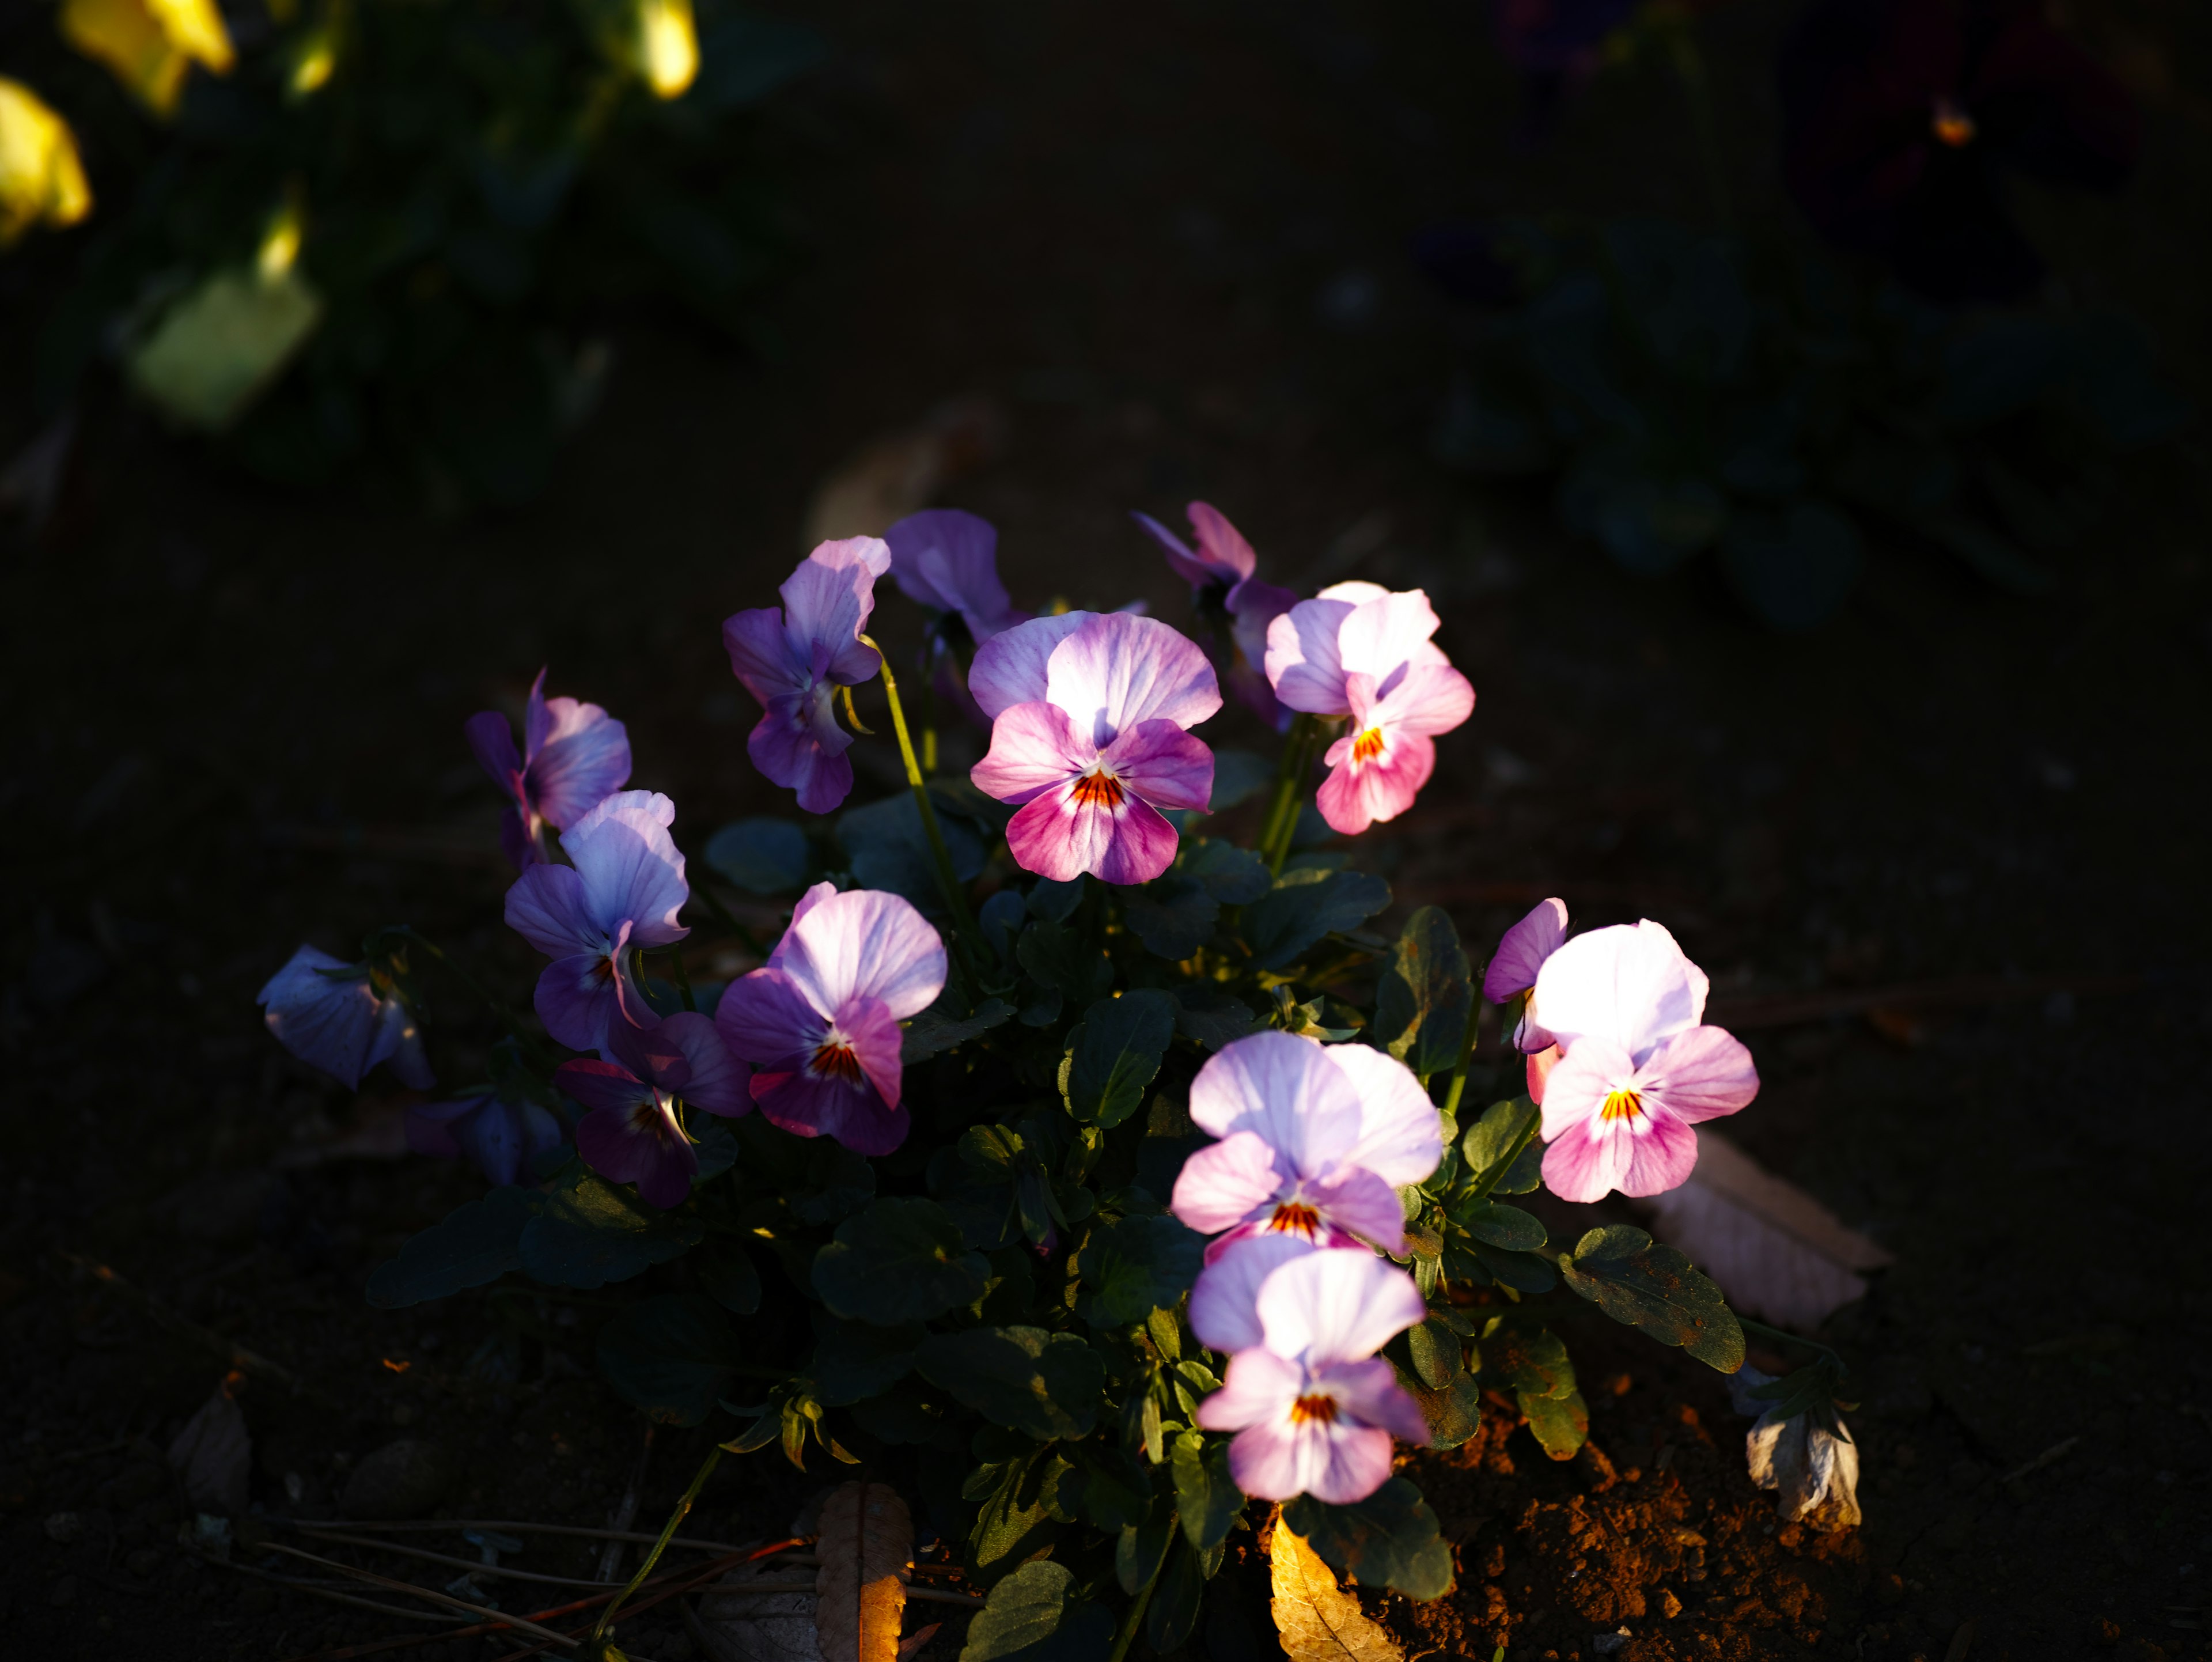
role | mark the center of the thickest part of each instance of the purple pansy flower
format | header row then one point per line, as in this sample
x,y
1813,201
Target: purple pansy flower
x,y
1089,713
1221,572
574,757
1315,1141
1225,1311
795,658
948,561
1901,118
501,1135
343,1018
1358,651
623,891
819,1021
1514,968
1313,1407
1637,1068
633,1133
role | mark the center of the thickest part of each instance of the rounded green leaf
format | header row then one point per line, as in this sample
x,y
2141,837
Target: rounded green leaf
x,y
896,1260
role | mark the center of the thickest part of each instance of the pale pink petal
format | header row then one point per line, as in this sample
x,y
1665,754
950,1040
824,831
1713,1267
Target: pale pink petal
x,y
1522,951
1589,1159
1662,1150
1010,668
854,1115
1358,1462
1699,1075
1220,543
1426,698
1223,1311
1370,1394
1354,592
1143,844
1166,766
1386,633
1119,670
1337,1307
1259,1386
1632,985
1058,839
1226,1183
865,943
1304,1105
1034,747
1360,1204
807,901
1276,1460
1303,663
1185,564
873,1033
1356,793
1400,1133
1591,1069
1540,1063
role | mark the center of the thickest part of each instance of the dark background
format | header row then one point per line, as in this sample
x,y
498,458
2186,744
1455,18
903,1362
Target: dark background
x,y
1169,242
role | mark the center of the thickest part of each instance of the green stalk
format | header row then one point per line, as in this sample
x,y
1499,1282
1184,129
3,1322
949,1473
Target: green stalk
x,y
595,1646
682,979
1129,1623
1282,822
954,899
1528,1135
1465,1055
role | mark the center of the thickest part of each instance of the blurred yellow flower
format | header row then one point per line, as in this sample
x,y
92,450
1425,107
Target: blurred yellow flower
x,y
667,45
224,342
150,44
41,179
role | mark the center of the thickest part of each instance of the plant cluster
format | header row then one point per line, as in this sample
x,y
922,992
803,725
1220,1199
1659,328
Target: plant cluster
x,y
1085,1171
314,228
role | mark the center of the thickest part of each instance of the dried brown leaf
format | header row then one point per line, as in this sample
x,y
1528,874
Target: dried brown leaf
x,y
867,1547
737,1626
1318,1619
1777,1252
213,1456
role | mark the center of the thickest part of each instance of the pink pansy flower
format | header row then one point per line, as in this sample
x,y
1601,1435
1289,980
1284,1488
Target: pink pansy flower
x,y
1224,1304
1315,1141
1512,973
1088,717
633,1134
623,892
1636,1068
819,1021
574,757
948,561
1362,653
1220,574
1313,1407
794,659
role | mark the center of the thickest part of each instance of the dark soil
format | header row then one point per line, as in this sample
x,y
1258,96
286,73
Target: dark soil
x,y
237,721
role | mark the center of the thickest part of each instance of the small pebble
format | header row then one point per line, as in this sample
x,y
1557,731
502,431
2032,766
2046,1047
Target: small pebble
x,y
65,1528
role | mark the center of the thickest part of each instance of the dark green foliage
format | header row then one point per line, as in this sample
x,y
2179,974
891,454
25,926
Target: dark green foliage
x,y
1045,1383
887,848
1634,1278
1114,1053
1492,1138
1306,905
1389,1539
1135,1266
898,1261
593,1232
1034,1616
672,1355
1173,916
1696,394
1427,994
478,1242
762,856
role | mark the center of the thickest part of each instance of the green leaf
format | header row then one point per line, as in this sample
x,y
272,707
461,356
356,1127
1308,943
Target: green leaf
x,y
1561,1424
714,1146
1207,1015
1524,1272
1139,1554
1489,1140
1063,960
1018,1516
853,1361
888,849
1388,1539
726,1274
1054,902
896,1417
671,1355
1796,567
1117,1489
594,1233
899,1260
1173,916
1233,876
1032,1615
1045,1383
762,856
1172,1616
1636,1279
1437,1353
1531,1363
1304,905
475,1243
1208,1499
832,1183
1506,1228
933,1031
1425,994
1114,1054
1454,1412
1132,1268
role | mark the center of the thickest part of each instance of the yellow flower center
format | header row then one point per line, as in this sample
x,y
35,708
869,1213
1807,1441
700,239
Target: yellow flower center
x,y
1367,746
1952,126
1295,1217
1622,1105
834,1060
1097,790
1317,1409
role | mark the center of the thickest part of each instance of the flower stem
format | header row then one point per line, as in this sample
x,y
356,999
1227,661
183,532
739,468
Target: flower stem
x,y
505,1016
1497,1172
947,882
1465,1055
682,979
594,1646
1282,822
1129,1634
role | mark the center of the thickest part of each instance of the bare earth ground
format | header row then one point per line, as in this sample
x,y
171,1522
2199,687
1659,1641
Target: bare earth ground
x,y
1124,228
